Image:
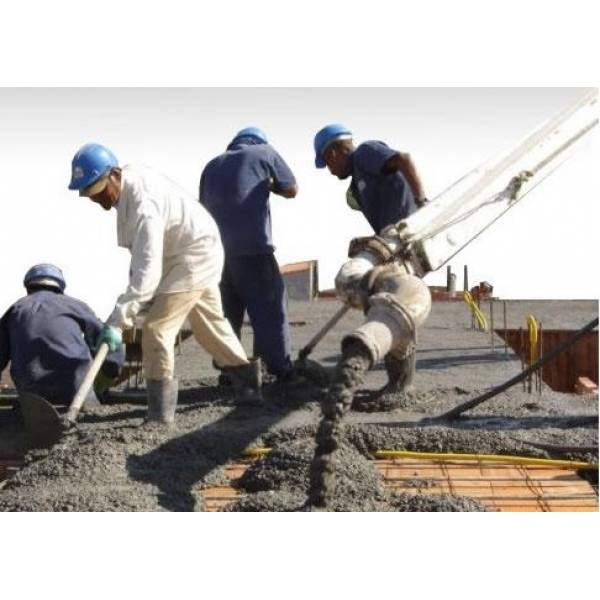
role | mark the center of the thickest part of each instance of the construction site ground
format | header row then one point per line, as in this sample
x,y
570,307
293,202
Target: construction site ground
x,y
112,462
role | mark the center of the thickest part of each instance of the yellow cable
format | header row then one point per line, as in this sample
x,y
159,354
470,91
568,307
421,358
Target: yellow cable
x,y
255,452
533,327
519,460
479,316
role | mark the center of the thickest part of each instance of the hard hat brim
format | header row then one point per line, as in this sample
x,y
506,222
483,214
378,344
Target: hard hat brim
x,y
95,188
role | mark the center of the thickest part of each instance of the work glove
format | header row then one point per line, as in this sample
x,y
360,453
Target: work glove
x,y
112,336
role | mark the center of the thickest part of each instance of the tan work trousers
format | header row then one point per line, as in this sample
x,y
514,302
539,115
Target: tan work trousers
x,y
211,329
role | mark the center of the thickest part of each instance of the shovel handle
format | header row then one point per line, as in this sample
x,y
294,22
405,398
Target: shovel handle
x,y
87,383
321,334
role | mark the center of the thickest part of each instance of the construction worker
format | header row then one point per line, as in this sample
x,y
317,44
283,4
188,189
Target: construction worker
x,y
176,263
49,340
235,188
385,185
386,188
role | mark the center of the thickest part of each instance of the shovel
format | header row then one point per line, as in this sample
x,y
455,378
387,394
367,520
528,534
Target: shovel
x,y
43,423
303,354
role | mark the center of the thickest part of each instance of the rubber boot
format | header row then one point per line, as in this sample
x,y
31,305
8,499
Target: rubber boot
x,y
162,400
247,382
400,372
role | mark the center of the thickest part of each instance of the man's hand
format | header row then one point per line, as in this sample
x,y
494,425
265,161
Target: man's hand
x,y
111,336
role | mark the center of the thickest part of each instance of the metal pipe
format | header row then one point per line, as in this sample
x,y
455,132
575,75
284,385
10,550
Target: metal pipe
x,y
452,285
399,305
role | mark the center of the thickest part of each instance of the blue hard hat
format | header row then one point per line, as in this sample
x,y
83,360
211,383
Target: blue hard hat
x,y
324,137
45,274
251,132
90,163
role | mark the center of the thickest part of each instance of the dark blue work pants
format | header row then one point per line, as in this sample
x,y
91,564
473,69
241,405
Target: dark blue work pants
x,y
254,284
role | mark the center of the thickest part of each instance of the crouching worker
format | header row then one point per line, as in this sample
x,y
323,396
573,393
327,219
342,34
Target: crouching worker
x,y
176,264
49,338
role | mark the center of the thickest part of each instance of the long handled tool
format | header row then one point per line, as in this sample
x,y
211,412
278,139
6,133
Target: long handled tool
x,y
43,423
303,354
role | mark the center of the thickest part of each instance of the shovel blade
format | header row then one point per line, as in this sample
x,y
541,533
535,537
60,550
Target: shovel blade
x,y
43,424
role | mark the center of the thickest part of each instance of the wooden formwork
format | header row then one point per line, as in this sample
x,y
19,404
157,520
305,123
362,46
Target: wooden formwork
x,y
501,487
560,374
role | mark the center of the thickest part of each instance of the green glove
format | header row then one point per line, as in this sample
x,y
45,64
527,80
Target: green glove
x,y
112,336
102,384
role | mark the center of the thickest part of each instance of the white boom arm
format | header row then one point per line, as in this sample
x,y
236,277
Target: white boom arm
x,y
434,234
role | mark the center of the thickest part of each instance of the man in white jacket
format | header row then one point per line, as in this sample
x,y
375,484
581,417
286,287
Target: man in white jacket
x,y
176,264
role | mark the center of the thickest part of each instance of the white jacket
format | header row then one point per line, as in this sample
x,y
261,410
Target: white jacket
x,y
174,242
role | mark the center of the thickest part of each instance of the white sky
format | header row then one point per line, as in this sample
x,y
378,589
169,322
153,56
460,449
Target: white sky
x,y
540,249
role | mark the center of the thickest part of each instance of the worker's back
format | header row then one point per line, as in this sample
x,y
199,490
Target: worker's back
x,y
384,199
46,337
235,188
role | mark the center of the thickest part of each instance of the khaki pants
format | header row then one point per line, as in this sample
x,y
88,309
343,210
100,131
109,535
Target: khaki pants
x,y
211,329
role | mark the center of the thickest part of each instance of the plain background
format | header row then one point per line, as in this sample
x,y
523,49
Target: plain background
x,y
512,43
448,131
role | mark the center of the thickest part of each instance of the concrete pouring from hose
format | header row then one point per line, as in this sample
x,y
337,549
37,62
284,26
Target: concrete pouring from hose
x,y
395,301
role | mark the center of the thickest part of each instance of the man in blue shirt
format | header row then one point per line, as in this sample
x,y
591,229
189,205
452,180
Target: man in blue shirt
x,y
235,188
386,188
385,184
48,338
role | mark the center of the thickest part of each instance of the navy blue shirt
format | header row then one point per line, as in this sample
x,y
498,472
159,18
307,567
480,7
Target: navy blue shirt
x,y
46,336
383,199
234,188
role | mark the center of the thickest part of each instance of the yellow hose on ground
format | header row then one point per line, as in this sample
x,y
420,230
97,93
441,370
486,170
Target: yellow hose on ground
x,y
476,311
255,452
533,327
518,460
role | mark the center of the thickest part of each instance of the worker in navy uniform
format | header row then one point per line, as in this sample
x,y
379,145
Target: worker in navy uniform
x,y
235,188
386,187
48,338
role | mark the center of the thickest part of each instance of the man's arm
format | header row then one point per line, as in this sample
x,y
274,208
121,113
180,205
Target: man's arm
x,y
282,180
288,192
402,162
144,273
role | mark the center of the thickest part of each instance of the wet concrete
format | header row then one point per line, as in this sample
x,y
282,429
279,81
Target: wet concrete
x,y
112,462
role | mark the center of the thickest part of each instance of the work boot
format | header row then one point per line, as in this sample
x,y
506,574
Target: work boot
x,y
400,371
292,379
396,392
247,382
162,400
